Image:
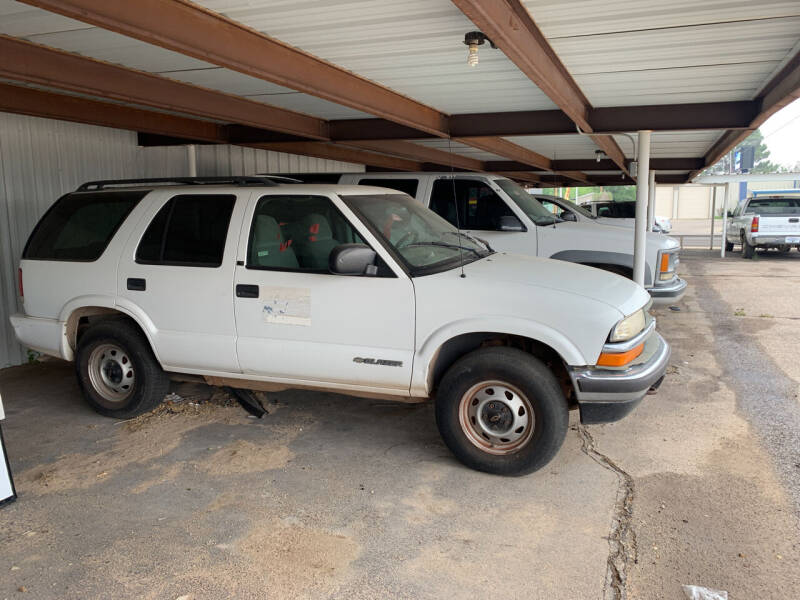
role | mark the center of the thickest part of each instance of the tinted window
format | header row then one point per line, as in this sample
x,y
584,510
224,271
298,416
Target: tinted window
x,y
297,233
766,206
189,231
479,207
408,186
79,226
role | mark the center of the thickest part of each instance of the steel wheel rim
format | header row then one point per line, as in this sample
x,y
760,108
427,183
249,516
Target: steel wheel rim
x,y
496,417
111,373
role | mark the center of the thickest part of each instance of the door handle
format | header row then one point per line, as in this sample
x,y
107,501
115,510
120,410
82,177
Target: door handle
x,y
244,290
136,284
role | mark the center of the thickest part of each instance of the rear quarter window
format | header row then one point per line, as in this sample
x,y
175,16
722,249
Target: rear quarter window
x,y
79,226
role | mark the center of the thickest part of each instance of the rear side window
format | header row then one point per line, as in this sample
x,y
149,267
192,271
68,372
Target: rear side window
x,y
408,186
79,226
188,231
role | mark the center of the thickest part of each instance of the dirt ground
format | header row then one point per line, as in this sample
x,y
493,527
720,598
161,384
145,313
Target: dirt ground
x,y
335,497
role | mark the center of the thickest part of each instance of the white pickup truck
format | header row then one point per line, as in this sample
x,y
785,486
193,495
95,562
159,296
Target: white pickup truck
x,y
354,289
765,222
498,210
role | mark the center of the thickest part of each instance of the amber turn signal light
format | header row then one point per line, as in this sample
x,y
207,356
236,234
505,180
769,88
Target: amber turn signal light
x,y
619,359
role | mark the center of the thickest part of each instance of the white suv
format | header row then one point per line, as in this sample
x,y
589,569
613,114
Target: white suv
x,y
346,288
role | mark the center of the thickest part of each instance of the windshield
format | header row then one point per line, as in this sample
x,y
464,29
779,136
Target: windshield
x,y
774,206
420,238
529,205
564,204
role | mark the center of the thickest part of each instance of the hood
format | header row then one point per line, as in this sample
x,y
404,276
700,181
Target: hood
x,y
619,235
504,270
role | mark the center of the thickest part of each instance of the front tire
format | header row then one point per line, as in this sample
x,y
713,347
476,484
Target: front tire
x,y
501,411
117,371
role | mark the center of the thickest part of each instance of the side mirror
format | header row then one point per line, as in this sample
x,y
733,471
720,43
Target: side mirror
x,y
352,259
510,223
568,216
730,214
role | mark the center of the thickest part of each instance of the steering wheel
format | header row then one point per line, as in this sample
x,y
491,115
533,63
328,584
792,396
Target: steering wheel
x,y
409,237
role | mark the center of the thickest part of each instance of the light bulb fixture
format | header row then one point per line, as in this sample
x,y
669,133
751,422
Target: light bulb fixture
x,y
599,155
473,39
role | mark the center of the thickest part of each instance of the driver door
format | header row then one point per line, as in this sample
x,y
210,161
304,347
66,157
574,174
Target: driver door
x,y
477,209
296,321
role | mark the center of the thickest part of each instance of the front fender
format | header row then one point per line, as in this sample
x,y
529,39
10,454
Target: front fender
x,y
599,257
540,332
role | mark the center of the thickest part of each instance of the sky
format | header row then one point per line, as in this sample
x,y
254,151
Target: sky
x,y
782,135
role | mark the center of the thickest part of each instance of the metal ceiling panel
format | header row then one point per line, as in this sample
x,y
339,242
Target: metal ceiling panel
x,y
414,47
571,18
459,148
670,144
559,146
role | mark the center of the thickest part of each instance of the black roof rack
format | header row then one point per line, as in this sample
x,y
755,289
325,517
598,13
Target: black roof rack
x,y
235,180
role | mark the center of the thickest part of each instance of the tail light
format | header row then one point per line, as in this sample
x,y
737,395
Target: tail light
x,y
754,224
19,280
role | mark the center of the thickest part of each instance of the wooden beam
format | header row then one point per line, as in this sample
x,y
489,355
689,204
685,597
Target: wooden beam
x,y
173,129
182,26
613,119
507,149
509,25
344,154
25,61
39,103
420,153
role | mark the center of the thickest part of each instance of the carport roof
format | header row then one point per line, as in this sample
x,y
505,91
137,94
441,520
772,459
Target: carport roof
x,y
385,83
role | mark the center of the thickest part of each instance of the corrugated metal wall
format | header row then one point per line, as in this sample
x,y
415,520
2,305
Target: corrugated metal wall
x,y
41,159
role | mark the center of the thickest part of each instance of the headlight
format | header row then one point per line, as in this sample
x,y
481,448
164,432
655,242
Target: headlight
x,y
628,327
667,264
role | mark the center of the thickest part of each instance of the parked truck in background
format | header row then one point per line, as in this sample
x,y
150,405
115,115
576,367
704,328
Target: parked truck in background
x,y
500,211
765,222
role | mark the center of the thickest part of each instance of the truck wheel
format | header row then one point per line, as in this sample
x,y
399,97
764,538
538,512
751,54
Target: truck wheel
x,y
728,246
117,371
502,411
748,251
784,248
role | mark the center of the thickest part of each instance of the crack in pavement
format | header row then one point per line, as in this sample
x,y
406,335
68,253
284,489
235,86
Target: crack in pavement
x,y
622,538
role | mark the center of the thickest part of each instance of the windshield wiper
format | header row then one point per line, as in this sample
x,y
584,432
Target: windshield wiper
x,y
469,236
443,245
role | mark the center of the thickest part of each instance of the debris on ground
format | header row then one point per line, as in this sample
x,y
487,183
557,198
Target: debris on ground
x,y
696,592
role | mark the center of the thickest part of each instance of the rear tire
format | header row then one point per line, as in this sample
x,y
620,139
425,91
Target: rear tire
x,y
748,251
117,371
501,411
728,246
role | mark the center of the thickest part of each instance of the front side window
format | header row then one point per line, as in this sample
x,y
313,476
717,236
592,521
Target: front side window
x,y
423,241
189,230
297,233
79,226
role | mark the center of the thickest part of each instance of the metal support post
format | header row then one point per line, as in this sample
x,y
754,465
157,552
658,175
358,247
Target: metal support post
x,y
640,228
191,157
713,215
651,200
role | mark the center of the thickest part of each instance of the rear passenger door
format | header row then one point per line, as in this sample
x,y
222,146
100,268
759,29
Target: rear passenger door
x,y
177,271
298,322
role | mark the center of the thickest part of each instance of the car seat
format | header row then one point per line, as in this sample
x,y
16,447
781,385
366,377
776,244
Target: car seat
x,y
268,248
313,241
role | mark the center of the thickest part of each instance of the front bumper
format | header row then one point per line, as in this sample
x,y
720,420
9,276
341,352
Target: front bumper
x,y
670,293
605,395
